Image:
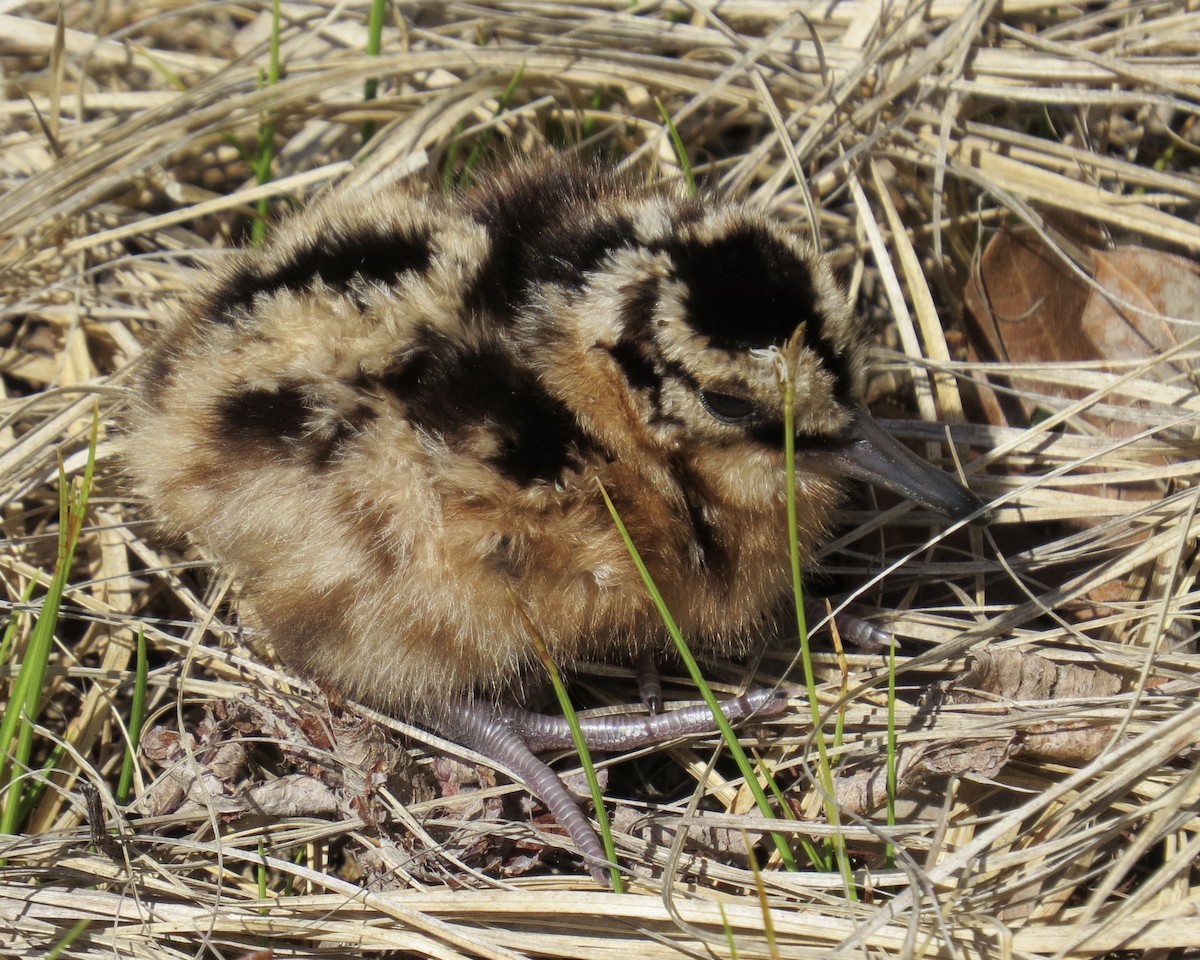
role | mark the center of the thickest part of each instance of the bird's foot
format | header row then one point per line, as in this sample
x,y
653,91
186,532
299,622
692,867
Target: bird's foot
x,y
511,736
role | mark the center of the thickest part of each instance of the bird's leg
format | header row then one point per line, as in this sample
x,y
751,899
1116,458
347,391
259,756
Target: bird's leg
x,y
649,680
853,629
480,726
511,736
541,731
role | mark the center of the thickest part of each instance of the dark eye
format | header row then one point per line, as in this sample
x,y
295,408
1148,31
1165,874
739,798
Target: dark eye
x,y
726,407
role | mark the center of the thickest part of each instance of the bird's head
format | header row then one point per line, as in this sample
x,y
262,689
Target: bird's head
x,y
679,337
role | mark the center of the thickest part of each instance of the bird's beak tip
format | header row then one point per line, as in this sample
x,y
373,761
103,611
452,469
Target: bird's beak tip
x,y
873,455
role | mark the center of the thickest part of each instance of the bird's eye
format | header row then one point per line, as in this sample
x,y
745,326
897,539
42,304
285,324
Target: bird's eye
x,y
726,407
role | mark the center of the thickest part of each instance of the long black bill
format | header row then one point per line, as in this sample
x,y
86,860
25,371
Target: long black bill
x,y
869,453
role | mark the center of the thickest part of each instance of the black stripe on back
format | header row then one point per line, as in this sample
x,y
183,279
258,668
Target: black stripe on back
x,y
456,393
542,229
637,369
639,302
264,417
288,422
336,261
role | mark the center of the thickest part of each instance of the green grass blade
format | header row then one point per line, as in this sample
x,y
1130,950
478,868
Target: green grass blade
x,y
480,146
374,47
581,747
764,905
685,654
261,874
137,714
78,927
264,156
24,702
10,631
890,851
685,164
450,161
787,382
733,950
452,175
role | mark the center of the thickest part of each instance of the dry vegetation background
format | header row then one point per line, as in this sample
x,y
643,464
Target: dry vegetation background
x,y
1049,804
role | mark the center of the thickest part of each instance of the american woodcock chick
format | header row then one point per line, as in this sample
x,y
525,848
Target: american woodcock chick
x,y
390,422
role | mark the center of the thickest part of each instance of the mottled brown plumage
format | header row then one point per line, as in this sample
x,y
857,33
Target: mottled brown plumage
x,y
390,423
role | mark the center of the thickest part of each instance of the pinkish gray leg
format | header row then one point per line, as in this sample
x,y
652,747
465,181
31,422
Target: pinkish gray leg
x,y
855,630
649,681
511,736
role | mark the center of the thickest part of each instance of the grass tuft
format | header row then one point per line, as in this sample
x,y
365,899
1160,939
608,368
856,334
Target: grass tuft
x,y
19,785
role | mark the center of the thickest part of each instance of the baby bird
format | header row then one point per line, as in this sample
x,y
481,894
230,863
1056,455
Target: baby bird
x,y
391,424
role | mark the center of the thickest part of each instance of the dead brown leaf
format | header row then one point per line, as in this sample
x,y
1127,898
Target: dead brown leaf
x,y
992,677
1014,676
1026,305
333,764
1144,288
